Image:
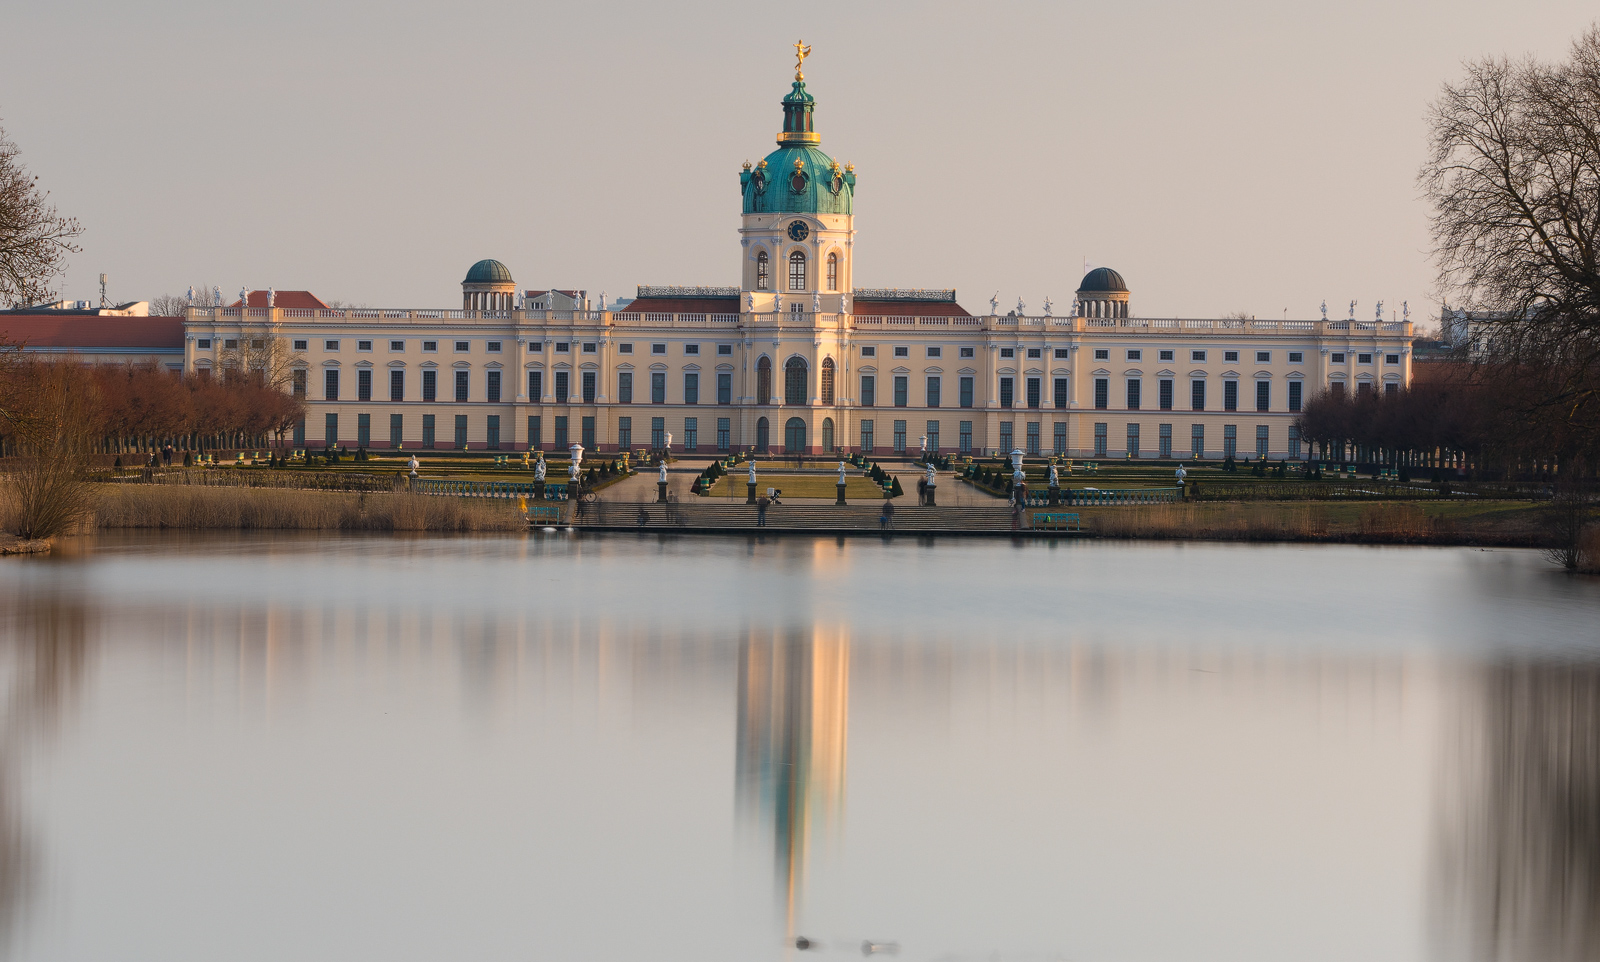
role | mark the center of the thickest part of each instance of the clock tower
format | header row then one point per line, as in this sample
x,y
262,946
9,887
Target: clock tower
x,y
797,231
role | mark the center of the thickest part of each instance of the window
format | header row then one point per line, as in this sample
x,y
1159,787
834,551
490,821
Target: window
x,y
833,272
536,432
1035,390
298,345
933,391
461,432
723,439
590,379
1008,352
1062,354
536,386
396,430
1263,395
1197,395
1336,388
1005,437
658,349
1134,386
1391,359
761,271
1062,396
968,352
1164,390
933,436
964,438
363,345
591,347
902,352
330,431
586,426
1197,441
1263,357
430,385
797,271
964,390
624,387
1135,355
658,433
427,431
1033,438
692,350
429,347
1295,357
724,387
231,343
1294,441
1261,440
899,437
868,350
463,346
1099,439
330,345
1197,356
1336,358
1102,393
1165,355
563,386
1133,440
561,432
1006,393
330,384
866,436
463,381
1102,354
363,430
297,382
204,344
935,351
869,390
397,385
1230,357
691,434
1230,440
625,348
900,390
658,388
624,433
1035,352
563,347
725,350
491,386
827,380
691,388
1294,395
1060,438
1391,388
1230,395
794,381
1363,358
1164,441
397,347
491,432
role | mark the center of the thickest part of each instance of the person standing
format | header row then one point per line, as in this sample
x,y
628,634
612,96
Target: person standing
x,y
886,519
761,510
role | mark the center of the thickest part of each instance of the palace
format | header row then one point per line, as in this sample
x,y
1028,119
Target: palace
x,y
795,358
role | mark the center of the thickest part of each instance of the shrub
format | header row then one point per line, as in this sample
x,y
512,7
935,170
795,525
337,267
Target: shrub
x,y
894,488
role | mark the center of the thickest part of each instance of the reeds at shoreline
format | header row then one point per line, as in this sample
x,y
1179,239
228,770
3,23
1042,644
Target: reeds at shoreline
x,y
187,507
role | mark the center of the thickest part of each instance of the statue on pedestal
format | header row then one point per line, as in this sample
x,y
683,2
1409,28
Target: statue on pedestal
x,y
539,468
413,465
841,472
662,477
931,479
816,302
752,471
1055,478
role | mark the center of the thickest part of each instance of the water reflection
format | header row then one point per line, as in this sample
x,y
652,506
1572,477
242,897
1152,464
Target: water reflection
x,y
1519,873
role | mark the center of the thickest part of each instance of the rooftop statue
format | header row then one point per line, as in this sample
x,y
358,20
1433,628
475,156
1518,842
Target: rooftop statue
x,y
1380,310
1324,308
1047,308
1352,310
1021,307
994,303
801,52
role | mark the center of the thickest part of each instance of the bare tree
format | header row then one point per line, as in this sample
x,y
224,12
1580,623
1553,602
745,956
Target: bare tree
x,y
34,239
264,354
172,305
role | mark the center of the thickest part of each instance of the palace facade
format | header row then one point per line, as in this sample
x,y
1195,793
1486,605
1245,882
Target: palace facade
x,y
796,358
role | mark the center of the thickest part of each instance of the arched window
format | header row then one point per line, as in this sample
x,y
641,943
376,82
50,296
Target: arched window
x,y
827,380
794,381
797,271
761,435
761,271
764,380
833,271
794,436
827,435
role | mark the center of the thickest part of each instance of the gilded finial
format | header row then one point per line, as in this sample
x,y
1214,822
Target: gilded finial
x,y
849,168
747,165
799,164
834,166
762,164
801,52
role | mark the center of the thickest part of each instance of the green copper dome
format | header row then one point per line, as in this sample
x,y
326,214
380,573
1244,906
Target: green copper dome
x,y
488,272
798,178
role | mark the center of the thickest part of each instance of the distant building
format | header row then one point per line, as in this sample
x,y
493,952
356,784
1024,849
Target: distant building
x,y
94,338
86,308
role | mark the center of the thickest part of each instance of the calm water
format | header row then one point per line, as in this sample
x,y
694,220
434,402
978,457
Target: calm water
x,y
268,747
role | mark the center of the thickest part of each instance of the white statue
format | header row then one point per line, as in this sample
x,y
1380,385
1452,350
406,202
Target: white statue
x,y
777,303
1405,310
538,468
216,297
520,301
1055,479
1022,309
662,477
191,294
1077,308
1048,310
841,472
602,302
244,297
1352,310
272,297
1324,310
668,447
1016,463
1380,311
576,451
816,302
752,471
413,465
1180,474
931,481
749,301
994,303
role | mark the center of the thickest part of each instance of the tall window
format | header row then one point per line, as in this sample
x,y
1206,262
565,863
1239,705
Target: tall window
x,y
1197,441
691,434
1033,437
794,380
462,381
1263,395
1164,440
1134,385
364,384
1060,437
586,429
1165,386
397,385
900,392
535,387
933,391
833,272
763,435
427,431
330,431
624,387
722,433
1230,395
933,436
1197,395
797,271
1005,437
363,430
866,437
869,390
1230,440
1295,388
430,385
1061,397
1262,440
658,389
563,386
761,271
827,435
330,384
724,387
964,386
1133,440
589,386
899,437
491,432
299,381
535,432
396,430
624,433
691,388
1102,393
658,433
1034,387
561,432
491,387
1100,439
461,432
764,380
827,376
964,440
1006,392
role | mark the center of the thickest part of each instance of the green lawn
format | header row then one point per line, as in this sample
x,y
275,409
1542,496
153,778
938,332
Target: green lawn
x,y
856,487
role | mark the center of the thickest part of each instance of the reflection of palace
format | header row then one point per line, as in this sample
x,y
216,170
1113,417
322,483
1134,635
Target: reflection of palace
x,y
794,690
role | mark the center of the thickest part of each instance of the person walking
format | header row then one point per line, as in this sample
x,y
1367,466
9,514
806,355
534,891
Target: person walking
x,y
1016,515
761,510
886,519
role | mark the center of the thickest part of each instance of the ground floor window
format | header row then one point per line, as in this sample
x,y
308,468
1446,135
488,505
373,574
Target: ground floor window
x,y
1164,440
1294,441
866,437
1261,440
1060,432
461,432
492,432
827,435
1099,439
658,433
300,433
1197,441
691,434
363,430
535,436
1005,437
722,434
965,438
427,431
1230,440
1033,438
763,439
396,430
933,436
1133,440
561,432
624,433
330,431
899,437
587,427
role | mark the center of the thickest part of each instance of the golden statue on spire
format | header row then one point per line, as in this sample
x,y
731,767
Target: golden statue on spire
x,y
801,52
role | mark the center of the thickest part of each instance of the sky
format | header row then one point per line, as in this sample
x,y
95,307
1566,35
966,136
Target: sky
x,y
1225,156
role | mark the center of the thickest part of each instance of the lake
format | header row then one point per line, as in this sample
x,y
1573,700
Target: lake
x,y
559,746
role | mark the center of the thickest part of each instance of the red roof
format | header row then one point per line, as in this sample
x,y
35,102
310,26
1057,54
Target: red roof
x,y
287,299
870,308
542,293
683,305
89,333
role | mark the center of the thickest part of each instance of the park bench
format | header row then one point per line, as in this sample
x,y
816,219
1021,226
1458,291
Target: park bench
x,y
1057,521
544,514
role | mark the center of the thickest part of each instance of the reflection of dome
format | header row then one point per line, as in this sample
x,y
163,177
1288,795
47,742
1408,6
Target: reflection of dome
x,y
1103,280
488,272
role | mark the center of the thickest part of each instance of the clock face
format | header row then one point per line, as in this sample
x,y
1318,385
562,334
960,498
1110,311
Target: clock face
x,y
799,231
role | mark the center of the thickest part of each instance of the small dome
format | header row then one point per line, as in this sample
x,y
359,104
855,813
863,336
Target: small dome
x,y
488,272
1103,280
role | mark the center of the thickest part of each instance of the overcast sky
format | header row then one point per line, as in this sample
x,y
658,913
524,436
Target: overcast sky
x,y
1225,156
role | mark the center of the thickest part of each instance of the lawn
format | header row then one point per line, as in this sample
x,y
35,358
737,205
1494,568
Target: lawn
x,y
856,487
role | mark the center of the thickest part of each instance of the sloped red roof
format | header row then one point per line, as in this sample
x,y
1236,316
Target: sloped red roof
x,y
298,300
871,308
683,305
78,332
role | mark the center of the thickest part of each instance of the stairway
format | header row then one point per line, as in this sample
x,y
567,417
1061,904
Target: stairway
x,y
718,514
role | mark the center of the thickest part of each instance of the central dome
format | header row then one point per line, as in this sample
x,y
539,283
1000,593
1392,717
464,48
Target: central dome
x,y
798,178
